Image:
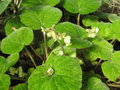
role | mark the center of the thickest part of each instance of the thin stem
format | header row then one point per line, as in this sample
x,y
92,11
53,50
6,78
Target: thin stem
x,y
17,78
61,46
45,41
63,49
113,85
98,64
31,57
78,19
35,52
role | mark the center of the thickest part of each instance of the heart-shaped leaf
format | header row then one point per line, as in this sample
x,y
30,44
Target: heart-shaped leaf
x,y
29,3
15,42
4,82
111,68
59,73
82,6
40,16
100,49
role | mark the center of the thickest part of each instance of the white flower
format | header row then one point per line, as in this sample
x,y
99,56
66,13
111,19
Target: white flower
x,y
92,35
67,40
49,34
92,32
61,53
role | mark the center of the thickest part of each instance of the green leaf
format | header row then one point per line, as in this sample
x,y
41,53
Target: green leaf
x,y
12,60
40,16
15,42
105,30
100,49
113,17
112,66
3,5
102,15
116,29
12,23
5,64
80,43
29,3
2,64
59,73
90,20
4,82
86,76
96,84
22,86
71,29
81,6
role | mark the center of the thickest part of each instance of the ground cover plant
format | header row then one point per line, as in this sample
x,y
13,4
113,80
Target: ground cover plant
x,y
59,45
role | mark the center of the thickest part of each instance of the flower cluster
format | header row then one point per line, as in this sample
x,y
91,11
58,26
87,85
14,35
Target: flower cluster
x,y
92,32
67,41
50,32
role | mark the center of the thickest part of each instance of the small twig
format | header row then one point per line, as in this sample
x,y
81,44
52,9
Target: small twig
x,y
78,19
36,52
29,54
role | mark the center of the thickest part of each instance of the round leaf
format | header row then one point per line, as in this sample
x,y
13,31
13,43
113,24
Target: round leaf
x,y
82,6
66,75
15,42
100,49
40,16
112,66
